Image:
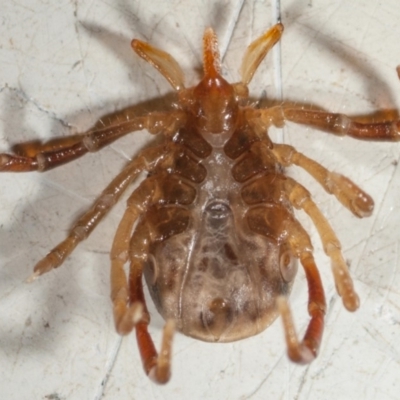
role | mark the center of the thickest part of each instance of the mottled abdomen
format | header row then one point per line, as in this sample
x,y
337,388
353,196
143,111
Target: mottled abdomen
x,y
218,279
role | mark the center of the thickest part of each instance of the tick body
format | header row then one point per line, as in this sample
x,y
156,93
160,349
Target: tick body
x,y
212,228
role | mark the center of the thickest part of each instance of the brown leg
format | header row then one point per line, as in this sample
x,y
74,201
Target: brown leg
x,y
88,221
156,365
129,303
305,351
64,151
338,124
301,199
126,313
276,221
129,306
341,124
171,190
347,192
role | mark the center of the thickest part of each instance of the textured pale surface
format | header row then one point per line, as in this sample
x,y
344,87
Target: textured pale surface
x,y
71,63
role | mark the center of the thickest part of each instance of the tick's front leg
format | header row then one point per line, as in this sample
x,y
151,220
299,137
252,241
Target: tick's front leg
x,y
64,150
338,124
341,124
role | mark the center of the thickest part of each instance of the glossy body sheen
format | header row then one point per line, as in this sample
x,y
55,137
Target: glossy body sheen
x,y
212,227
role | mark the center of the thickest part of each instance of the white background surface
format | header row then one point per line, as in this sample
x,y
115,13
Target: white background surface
x,y
65,65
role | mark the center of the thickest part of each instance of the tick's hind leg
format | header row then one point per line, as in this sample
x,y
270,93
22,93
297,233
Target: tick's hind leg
x,y
130,310
156,223
305,351
275,221
156,365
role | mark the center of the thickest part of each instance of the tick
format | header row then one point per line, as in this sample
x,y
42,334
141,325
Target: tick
x,y
212,227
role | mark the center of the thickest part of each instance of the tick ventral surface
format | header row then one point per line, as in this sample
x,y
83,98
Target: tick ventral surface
x,y
212,227
209,269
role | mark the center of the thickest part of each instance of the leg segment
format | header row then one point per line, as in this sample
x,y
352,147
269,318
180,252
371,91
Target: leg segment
x,y
305,351
156,365
341,124
338,124
301,199
277,222
129,304
63,151
88,221
347,192
150,192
